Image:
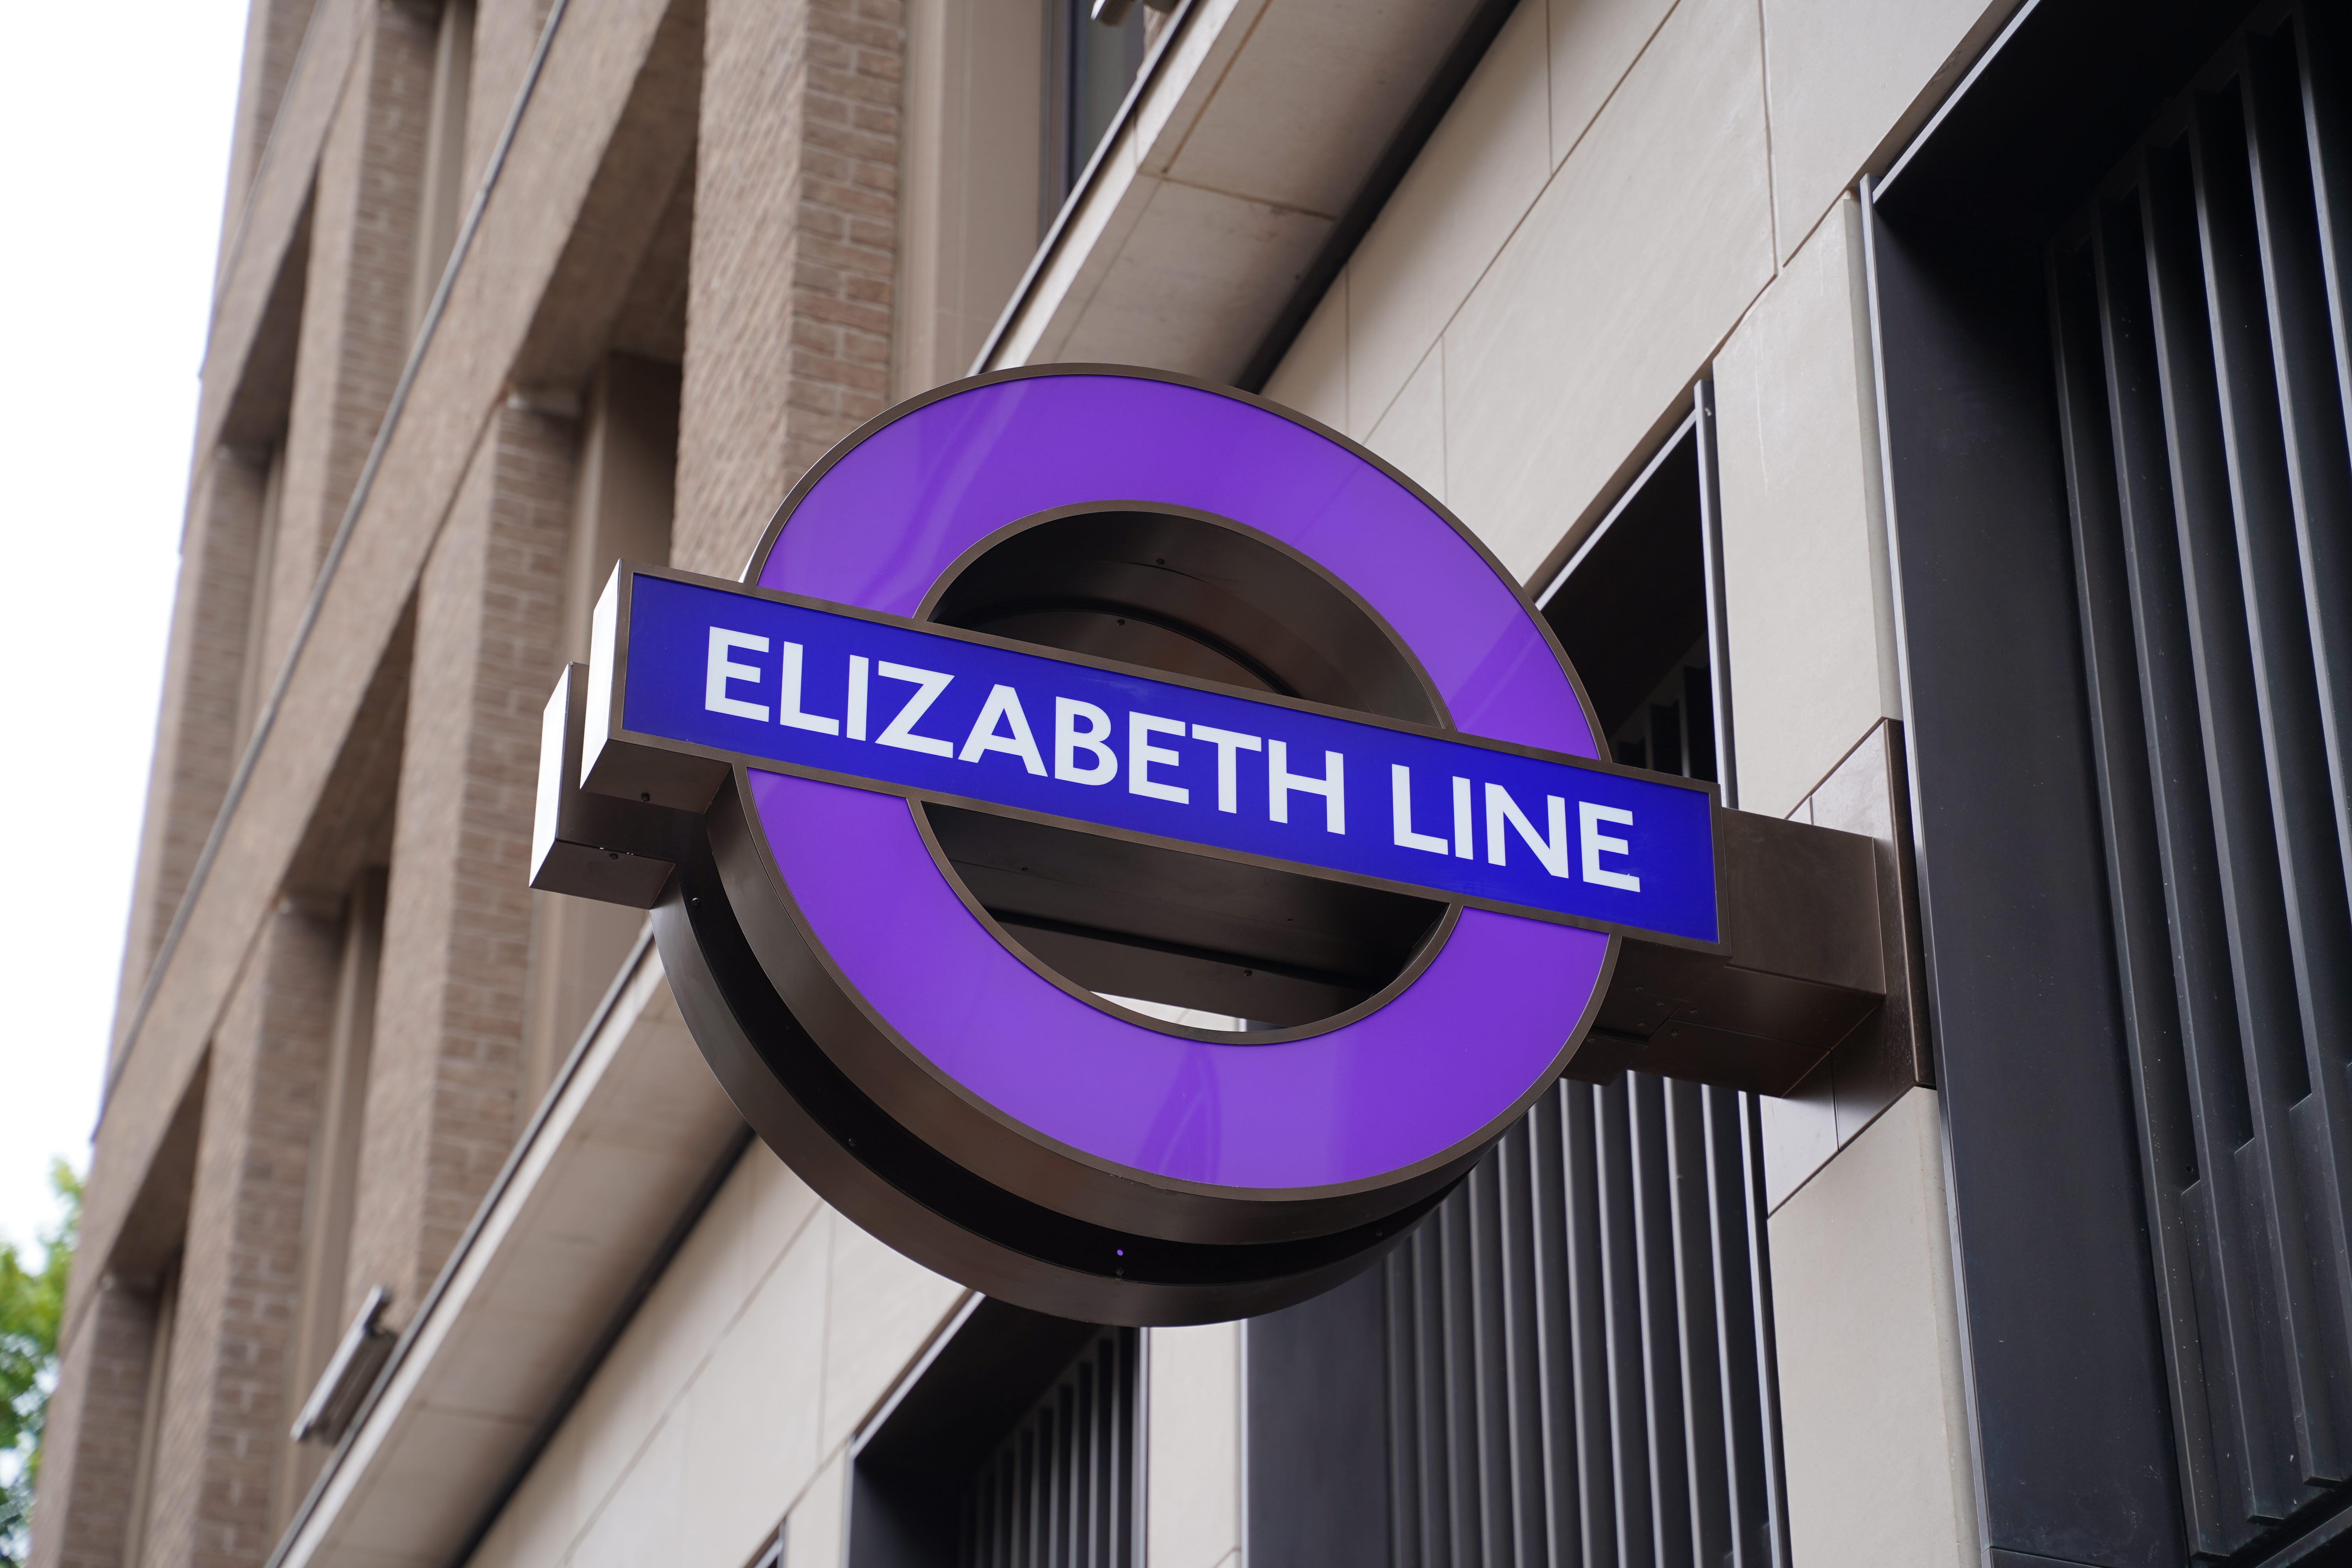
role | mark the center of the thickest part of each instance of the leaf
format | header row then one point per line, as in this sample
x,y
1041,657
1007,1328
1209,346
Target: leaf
x,y
32,1308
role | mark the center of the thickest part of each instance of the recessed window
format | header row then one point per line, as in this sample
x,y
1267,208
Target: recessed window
x,y
1630,610
1089,66
1015,1448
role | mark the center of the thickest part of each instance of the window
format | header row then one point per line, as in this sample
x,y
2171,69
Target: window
x,y
1089,66
1012,1447
441,203
332,1193
2100,286
1632,608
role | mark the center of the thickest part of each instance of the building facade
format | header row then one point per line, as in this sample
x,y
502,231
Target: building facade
x,y
1926,418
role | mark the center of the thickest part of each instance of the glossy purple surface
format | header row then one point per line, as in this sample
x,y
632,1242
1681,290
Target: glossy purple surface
x,y
879,529
1430,1068
1426,1072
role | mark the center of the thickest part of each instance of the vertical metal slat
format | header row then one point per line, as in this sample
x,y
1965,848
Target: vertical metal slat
x,y
1457,1326
2293,210
1751,1387
1520,1365
2252,658
1554,1308
1662,1358
2086,362
1620,1252
1587,1288
2298,609
1432,1477
2245,1271
1705,1497
1489,1448
1405,1525
2323,38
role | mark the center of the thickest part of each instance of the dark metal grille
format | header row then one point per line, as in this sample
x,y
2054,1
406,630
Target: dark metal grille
x,y
1673,731
1059,1490
2198,307
1578,1344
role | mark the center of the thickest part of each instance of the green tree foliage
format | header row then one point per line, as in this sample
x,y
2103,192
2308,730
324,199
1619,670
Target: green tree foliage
x,y
32,1304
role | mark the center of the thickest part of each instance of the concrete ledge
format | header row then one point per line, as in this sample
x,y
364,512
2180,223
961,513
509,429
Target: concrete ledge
x,y
1250,129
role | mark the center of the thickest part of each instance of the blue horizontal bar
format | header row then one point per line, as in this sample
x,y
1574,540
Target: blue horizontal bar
x,y
921,711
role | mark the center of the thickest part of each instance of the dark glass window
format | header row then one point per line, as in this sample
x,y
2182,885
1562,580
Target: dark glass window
x,y
1632,610
1014,1447
1089,66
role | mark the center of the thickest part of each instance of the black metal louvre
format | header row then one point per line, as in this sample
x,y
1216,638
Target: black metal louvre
x,y
1059,1490
1568,1364
2198,311
1579,1370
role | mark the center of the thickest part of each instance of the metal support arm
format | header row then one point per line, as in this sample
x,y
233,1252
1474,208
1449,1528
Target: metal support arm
x,y
1805,963
1805,958
589,844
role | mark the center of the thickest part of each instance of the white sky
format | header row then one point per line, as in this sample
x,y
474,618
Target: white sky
x,y
114,127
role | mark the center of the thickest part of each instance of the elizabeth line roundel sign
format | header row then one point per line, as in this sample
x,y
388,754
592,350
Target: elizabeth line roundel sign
x,y
1053,701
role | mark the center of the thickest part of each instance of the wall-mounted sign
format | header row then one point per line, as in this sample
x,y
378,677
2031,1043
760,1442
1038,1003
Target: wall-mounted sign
x,y
788,685
1134,850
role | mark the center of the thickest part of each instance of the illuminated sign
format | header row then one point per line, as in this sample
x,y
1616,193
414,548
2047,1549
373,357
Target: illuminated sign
x,y
1133,849
960,718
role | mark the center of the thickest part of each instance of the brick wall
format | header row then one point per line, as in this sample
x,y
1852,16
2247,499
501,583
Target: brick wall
x,y
355,329
196,731
444,1100
227,1405
795,233
789,311
273,37
505,34
91,1451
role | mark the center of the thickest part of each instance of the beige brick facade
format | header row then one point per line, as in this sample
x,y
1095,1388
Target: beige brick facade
x,y
408,732
793,242
355,327
273,37
225,1400
196,740
444,1097
91,1451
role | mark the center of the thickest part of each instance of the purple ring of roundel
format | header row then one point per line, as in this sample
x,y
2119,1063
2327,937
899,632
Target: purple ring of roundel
x,y
1388,1090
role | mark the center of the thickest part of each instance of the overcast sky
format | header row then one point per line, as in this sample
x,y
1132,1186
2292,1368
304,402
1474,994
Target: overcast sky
x,y
115,125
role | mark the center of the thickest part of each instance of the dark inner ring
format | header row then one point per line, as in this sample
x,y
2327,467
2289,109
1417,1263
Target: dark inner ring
x,y
1187,596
